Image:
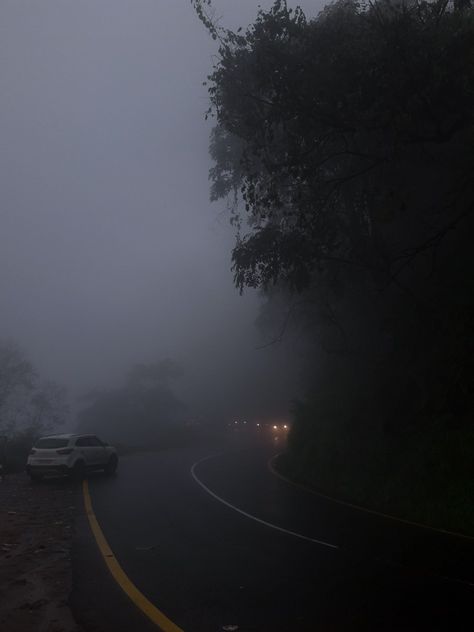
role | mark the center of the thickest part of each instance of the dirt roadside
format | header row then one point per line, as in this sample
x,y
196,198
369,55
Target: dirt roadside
x,y
36,531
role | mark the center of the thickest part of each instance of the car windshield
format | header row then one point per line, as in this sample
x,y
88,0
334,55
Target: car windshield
x,y
51,442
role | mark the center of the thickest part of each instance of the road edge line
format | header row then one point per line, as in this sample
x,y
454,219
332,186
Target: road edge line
x,y
374,512
140,601
251,516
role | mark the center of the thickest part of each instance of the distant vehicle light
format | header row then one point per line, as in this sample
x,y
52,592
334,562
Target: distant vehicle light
x,y
275,427
258,425
236,422
245,422
285,426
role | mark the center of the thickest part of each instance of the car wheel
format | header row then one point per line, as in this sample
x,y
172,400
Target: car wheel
x,y
111,466
78,472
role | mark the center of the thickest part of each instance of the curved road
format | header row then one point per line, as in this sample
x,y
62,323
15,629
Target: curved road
x,y
215,540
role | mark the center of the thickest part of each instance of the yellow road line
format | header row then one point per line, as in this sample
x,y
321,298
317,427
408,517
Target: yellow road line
x,y
148,609
420,525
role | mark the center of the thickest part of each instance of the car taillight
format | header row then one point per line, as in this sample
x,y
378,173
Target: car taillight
x,y
32,451
64,451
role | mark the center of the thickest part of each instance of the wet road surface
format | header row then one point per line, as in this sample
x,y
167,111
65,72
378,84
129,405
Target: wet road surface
x,y
214,539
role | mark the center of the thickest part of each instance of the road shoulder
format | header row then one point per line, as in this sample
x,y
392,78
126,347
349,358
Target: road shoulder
x,y
36,534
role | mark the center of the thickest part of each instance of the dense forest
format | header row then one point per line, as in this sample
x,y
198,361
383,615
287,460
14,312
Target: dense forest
x,y
343,146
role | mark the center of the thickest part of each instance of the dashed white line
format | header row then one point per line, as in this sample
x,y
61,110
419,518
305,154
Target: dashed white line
x,y
248,515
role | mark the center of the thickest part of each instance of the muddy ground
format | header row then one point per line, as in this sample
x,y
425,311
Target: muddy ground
x,y
36,531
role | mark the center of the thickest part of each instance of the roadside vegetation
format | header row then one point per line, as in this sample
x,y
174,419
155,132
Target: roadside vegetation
x,y
29,406
343,146
142,413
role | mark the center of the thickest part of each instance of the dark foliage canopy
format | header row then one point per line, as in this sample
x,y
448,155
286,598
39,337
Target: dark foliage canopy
x,y
345,145
347,137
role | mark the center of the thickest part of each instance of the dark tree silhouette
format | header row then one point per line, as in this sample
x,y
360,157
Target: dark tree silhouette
x,y
345,146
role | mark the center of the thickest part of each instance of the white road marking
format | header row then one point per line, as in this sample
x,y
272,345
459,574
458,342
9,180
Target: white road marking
x,y
252,517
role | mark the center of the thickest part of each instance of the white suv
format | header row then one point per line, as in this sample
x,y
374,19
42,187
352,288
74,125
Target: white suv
x,y
71,454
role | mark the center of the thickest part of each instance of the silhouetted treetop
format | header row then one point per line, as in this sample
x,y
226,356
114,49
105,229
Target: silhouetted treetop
x,y
345,139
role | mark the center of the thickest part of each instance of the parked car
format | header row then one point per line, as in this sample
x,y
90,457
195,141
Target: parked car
x,y
70,454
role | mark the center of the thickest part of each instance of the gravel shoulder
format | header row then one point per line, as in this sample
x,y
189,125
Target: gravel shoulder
x,y
36,532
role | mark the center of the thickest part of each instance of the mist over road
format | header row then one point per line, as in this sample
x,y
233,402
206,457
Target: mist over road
x,y
195,554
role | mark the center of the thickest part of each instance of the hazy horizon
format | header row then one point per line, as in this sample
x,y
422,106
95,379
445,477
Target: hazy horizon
x,y
111,253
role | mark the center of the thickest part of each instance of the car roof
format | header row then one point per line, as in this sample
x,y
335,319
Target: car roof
x,y
66,436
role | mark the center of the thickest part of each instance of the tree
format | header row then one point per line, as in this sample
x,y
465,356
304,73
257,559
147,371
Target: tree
x,y
328,129
17,379
25,402
345,143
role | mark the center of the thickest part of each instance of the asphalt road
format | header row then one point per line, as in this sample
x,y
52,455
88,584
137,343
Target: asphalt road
x,y
214,539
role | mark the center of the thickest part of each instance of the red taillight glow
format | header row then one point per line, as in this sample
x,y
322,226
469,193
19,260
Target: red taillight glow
x,y
64,451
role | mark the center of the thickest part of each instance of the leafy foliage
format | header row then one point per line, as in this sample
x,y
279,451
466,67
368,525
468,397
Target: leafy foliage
x,y
347,139
340,123
27,404
345,143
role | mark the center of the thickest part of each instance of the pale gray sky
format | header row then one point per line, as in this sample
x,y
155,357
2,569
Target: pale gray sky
x,y
110,252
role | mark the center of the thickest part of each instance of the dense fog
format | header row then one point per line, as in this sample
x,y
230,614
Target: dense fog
x,y
205,225
111,254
